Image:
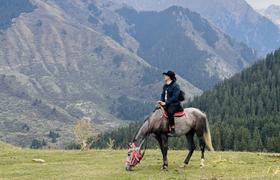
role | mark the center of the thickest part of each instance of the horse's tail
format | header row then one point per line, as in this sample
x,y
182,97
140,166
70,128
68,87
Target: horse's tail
x,y
207,136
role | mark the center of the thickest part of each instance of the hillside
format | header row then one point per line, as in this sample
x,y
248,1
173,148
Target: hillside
x,y
243,111
235,18
272,13
179,39
55,69
249,107
109,164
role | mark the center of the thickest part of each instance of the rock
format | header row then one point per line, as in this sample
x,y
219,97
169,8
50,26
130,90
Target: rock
x,y
39,160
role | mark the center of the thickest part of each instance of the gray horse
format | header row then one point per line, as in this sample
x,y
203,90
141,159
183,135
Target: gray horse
x,y
193,121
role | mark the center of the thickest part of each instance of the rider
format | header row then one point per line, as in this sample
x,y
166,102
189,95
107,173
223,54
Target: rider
x,y
170,99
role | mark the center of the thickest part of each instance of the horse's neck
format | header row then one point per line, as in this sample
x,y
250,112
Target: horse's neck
x,y
142,133
154,121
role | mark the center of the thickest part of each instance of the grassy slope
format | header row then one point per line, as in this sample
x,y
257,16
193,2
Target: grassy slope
x,y
17,163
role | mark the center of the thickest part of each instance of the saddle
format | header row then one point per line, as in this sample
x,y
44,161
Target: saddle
x,y
177,114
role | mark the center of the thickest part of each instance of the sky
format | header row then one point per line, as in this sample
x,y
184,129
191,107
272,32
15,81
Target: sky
x,y
261,4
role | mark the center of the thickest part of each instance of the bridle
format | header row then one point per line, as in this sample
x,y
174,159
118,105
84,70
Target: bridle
x,y
134,153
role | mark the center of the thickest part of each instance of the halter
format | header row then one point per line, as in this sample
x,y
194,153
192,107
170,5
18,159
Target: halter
x,y
135,155
135,152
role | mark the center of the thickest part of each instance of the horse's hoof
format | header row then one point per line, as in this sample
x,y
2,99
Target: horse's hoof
x,y
201,163
128,168
164,168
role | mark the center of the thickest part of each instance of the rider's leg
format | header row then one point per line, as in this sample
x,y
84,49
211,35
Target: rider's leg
x,y
170,112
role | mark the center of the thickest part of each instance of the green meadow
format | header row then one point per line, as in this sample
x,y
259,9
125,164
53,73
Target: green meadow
x,y
17,163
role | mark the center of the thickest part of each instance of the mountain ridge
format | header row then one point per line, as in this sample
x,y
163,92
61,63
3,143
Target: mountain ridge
x,y
236,18
273,13
164,38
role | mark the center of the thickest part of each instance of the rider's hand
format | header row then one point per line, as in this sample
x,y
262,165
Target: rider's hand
x,y
162,103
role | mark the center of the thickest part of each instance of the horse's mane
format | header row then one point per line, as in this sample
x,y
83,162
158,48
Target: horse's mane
x,y
157,107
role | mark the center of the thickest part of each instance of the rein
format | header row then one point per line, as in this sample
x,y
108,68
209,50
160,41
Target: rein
x,y
146,142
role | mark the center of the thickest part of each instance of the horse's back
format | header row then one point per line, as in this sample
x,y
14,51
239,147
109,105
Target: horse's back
x,y
195,112
187,122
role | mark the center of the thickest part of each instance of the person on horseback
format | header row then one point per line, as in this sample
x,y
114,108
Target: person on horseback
x,y
170,99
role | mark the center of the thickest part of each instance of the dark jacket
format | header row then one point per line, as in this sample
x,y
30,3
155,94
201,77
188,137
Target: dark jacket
x,y
173,93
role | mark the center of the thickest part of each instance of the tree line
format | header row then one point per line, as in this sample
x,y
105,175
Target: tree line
x,y
243,112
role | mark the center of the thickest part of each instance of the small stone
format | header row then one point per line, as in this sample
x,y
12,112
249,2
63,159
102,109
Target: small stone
x,y
38,160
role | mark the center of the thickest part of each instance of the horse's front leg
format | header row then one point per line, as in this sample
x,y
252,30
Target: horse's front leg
x,y
163,143
160,142
164,138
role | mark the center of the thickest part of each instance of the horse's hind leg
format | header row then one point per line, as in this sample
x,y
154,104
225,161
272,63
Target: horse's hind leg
x,y
202,148
189,137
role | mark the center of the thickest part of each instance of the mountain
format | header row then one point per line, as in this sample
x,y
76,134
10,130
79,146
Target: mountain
x,y
272,13
64,60
243,111
236,18
212,56
179,39
56,68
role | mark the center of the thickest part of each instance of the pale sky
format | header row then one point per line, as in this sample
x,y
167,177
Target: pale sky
x,y
261,4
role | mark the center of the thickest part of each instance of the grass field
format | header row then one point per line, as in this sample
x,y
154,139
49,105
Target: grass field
x,y
16,163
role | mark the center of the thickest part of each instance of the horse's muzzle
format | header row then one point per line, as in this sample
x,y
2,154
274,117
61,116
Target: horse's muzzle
x,y
128,168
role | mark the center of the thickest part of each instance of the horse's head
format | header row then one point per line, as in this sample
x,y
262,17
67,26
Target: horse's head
x,y
135,153
134,156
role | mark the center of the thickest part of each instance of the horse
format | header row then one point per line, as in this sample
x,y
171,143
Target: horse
x,y
191,121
